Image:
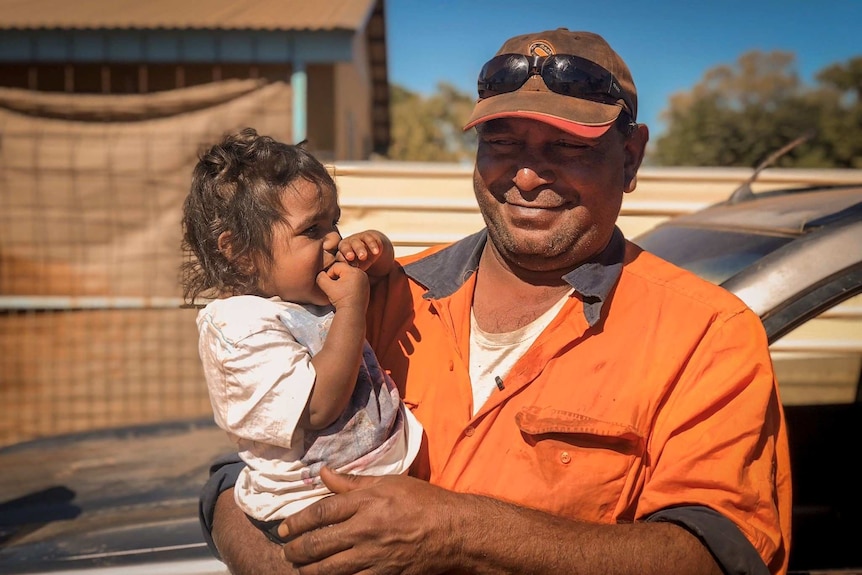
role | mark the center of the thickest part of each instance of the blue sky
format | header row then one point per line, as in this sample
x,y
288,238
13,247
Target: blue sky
x,y
667,44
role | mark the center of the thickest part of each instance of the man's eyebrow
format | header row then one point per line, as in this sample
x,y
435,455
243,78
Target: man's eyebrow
x,y
494,126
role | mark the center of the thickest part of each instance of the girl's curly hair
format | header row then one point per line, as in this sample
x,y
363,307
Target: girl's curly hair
x,y
237,186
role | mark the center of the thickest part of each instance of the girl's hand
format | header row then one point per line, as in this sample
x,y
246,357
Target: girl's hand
x,y
345,286
370,251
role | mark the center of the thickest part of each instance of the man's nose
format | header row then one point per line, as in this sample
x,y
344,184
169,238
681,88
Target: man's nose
x,y
531,177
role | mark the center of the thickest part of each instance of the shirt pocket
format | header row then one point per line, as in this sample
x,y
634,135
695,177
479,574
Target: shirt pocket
x,y
584,465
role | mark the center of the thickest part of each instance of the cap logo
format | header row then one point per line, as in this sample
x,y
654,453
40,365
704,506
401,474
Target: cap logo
x,y
541,48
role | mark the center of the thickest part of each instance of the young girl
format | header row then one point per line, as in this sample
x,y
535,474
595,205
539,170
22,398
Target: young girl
x,y
290,375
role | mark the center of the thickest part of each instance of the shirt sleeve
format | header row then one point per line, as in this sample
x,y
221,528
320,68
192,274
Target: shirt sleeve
x,y
259,380
721,440
731,550
223,476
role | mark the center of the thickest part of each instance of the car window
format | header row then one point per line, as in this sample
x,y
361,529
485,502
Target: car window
x,y
820,362
714,255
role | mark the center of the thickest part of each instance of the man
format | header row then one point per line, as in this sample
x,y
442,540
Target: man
x,y
588,407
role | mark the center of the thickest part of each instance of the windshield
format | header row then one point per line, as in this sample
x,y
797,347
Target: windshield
x,y
714,255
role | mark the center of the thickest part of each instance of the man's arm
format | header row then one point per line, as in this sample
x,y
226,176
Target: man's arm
x,y
231,537
406,525
244,548
403,525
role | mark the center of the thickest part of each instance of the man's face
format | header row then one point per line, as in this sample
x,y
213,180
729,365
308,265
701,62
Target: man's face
x,y
551,199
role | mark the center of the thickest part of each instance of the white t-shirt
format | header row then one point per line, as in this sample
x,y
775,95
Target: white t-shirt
x,y
492,355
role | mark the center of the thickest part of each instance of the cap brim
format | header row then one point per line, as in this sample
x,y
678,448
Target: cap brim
x,y
593,118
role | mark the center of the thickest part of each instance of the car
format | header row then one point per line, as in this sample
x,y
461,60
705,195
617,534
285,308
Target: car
x,y
125,500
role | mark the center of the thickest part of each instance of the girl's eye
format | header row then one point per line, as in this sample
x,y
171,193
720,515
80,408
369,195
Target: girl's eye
x,y
320,229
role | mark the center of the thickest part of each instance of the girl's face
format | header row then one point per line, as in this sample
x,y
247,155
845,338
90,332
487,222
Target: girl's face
x,y
304,244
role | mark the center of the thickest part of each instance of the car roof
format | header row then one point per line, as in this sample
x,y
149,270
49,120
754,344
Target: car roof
x,y
819,267
783,212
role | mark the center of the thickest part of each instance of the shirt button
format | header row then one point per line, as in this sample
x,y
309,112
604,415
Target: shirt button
x,y
565,457
451,365
470,431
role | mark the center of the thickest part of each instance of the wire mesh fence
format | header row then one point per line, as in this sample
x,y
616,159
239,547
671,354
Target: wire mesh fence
x,y
91,190
75,370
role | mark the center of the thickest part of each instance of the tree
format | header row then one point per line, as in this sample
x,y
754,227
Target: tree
x,y
841,123
738,115
429,128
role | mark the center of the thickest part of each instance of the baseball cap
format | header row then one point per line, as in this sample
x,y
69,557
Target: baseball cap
x,y
586,108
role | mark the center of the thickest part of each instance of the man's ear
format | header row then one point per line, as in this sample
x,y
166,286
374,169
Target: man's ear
x,y
635,149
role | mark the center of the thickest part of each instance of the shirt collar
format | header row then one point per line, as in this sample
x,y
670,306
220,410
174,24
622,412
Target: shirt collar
x,y
444,272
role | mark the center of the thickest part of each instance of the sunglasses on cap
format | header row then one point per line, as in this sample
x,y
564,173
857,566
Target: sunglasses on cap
x,y
562,73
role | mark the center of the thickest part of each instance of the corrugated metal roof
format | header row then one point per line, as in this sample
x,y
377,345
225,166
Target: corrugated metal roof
x,y
186,14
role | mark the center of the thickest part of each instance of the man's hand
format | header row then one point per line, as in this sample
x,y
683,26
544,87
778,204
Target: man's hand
x,y
384,525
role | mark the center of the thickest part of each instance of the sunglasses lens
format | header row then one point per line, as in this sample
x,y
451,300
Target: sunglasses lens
x,y
504,73
564,75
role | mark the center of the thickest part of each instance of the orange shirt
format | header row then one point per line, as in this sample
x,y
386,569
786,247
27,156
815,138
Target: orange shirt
x,y
658,394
